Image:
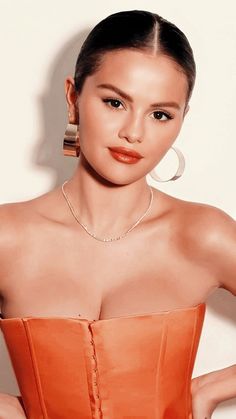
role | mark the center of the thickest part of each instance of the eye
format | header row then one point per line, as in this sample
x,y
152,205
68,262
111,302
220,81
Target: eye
x,y
114,103
160,114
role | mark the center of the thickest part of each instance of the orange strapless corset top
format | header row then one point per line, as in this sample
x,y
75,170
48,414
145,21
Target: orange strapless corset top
x,y
131,367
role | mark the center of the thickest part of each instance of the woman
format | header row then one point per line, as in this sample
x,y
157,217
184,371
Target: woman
x,y
104,304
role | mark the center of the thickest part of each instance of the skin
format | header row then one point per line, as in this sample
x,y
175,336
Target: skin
x,y
52,274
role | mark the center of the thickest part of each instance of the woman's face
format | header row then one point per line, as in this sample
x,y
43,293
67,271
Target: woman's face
x,y
135,100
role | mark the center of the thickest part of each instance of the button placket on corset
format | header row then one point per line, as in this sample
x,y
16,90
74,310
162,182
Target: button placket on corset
x,y
95,386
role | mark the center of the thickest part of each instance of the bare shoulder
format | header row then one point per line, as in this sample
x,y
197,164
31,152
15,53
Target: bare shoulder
x,y
217,241
14,215
205,224
10,236
209,224
209,237
205,215
197,217
10,215
20,220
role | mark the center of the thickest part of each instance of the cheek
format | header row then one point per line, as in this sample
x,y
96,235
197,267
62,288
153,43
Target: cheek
x,y
163,137
166,132
96,119
95,131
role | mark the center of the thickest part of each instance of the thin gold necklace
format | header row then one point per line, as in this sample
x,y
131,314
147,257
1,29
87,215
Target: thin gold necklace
x,y
92,234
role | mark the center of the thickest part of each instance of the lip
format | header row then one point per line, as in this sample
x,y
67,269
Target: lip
x,y
126,151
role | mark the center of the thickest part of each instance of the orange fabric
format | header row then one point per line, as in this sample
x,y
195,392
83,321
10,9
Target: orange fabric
x,y
133,367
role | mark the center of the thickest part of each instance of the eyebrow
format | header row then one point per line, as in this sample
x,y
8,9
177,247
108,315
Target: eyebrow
x,y
129,98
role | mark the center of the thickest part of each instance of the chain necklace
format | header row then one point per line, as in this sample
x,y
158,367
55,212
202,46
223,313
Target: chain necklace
x,y
92,234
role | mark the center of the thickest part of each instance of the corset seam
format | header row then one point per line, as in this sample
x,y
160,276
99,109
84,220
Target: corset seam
x,y
190,362
161,357
35,369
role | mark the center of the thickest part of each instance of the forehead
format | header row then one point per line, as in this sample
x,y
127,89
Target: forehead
x,y
139,73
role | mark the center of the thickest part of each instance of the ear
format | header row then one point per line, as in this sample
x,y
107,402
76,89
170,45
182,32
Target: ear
x,y
71,98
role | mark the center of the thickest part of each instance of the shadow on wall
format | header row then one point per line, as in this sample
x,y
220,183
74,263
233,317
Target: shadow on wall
x,y
48,152
222,304
8,383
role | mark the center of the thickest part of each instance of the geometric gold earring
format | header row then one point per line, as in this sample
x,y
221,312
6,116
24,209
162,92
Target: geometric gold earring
x,y
71,145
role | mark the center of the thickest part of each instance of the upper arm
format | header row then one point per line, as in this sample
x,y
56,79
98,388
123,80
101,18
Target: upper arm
x,y
8,237
217,232
225,249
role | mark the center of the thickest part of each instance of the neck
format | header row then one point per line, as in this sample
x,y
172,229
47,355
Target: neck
x,y
106,208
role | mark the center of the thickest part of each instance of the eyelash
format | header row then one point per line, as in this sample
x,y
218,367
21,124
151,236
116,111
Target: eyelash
x,y
168,116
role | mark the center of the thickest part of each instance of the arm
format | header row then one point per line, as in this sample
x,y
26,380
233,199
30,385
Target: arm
x,y
20,400
11,407
208,390
219,385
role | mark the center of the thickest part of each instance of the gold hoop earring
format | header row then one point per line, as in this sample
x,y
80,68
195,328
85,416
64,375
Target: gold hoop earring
x,y
71,146
179,171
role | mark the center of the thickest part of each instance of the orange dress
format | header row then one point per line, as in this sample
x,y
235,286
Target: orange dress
x,y
130,367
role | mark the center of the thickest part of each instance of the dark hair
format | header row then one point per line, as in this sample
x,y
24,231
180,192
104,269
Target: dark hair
x,y
139,30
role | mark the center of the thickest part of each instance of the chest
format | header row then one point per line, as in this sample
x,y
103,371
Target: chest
x,y
72,277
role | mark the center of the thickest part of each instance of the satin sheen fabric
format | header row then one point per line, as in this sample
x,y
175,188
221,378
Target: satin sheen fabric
x,y
132,367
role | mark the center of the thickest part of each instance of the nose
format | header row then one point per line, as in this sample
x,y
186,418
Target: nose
x,y
132,129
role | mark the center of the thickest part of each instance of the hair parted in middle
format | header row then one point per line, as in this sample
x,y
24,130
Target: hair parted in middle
x,y
137,30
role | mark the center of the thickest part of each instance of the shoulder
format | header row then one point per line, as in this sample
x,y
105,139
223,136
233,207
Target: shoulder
x,y
198,219
10,237
16,215
210,235
24,228
10,215
13,218
20,220
212,227
207,221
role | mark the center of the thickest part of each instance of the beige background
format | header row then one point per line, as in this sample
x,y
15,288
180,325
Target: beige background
x,y
40,41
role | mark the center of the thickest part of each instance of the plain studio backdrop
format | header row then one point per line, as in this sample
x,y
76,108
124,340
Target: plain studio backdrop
x,y
40,42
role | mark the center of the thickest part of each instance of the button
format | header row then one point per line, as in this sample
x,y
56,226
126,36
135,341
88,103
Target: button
x,y
95,369
92,342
